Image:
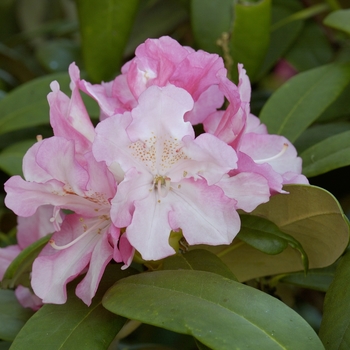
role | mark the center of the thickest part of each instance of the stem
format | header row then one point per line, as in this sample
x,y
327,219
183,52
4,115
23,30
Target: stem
x,y
303,14
128,328
229,249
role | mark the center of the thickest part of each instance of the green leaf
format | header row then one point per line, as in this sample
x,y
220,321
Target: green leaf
x,y
13,316
266,236
317,279
340,107
311,49
11,157
21,266
329,154
261,234
154,18
209,19
335,331
251,34
282,37
303,98
201,346
339,20
309,214
73,325
198,259
318,133
217,311
105,26
56,55
27,105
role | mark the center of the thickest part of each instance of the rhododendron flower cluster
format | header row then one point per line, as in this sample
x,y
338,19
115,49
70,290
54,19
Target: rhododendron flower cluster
x,y
142,173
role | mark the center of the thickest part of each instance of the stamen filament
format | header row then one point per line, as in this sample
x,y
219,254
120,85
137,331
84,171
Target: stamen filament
x,y
283,150
62,247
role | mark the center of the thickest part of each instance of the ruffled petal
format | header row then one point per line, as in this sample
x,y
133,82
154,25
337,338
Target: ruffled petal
x,y
248,189
101,256
53,269
204,213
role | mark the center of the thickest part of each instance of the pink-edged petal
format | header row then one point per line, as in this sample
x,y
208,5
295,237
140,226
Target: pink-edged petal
x,y
127,251
208,102
112,142
232,122
101,256
204,213
264,149
96,187
247,165
161,112
34,227
135,186
68,117
24,198
248,189
197,72
293,178
32,171
209,158
56,156
27,298
254,125
7,255
53,269
149,230
154,64
244,87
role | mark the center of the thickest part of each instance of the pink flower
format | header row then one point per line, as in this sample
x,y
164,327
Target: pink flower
x,y
160,62
271,156
61,173
29,230
171,178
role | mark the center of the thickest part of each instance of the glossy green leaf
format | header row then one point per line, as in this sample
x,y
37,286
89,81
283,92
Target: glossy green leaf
x,y
317,279
251,34
318,133
303,98
198,259
21,266
209,19
309,214
282,37
13,316
329,154
57,55
203,304
153,19
105,26
27,105
340,107
201,346
73,325
339,20
335,331
11,157
261,234
311,49
266,236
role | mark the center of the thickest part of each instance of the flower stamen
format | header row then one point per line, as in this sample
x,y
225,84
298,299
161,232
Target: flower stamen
x,y
283,150
86,232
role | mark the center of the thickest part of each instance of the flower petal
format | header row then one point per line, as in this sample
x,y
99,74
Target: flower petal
x,y
53,269
101,256
204,213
